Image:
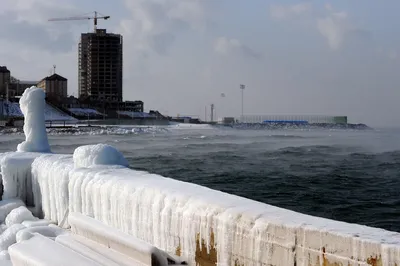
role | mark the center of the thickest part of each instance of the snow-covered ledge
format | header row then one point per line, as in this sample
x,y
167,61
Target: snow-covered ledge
x,y
203,226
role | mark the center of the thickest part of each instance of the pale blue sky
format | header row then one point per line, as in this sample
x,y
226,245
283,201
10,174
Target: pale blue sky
x,y
295,57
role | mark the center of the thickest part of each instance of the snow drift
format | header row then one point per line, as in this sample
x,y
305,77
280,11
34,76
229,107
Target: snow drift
x,y
100,154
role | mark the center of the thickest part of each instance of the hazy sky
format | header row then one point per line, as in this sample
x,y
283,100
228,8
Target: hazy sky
x,y
295,57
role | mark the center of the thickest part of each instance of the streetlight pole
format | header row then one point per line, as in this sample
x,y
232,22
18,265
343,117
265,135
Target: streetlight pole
x,y
7,92
223,112
212,112
242,89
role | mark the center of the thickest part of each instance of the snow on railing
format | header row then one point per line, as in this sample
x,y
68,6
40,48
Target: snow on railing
x,y
199,224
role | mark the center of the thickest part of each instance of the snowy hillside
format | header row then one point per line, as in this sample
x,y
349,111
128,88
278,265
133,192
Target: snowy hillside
x,y
52,114
85,112
12,109
134,114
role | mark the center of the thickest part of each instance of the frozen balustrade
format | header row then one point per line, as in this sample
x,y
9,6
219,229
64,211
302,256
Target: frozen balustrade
x,y
197,223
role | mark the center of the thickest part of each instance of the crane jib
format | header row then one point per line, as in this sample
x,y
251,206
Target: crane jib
x,y
95,18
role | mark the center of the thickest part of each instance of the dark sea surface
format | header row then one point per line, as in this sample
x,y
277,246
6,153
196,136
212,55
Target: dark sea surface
x,y
346,175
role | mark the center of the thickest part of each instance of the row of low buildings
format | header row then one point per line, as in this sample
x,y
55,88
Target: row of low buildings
x,y
100,76
11,87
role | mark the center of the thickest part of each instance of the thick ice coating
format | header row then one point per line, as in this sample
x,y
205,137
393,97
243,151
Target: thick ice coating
x,y
32,105
99,154
8,237
18,215
47,231
177,216
6,206
4,255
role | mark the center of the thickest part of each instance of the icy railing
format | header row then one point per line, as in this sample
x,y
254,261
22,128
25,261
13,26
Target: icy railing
x,y
201,225
87,242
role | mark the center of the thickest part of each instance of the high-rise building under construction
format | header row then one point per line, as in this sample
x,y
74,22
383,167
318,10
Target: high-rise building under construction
x,y
100,66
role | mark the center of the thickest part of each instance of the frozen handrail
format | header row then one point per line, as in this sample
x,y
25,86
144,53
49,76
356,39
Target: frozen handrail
x,y
128,245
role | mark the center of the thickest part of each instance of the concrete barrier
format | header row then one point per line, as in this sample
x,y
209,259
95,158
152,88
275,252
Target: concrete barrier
x,y
136,249
89,242
95,252
30,252
201,225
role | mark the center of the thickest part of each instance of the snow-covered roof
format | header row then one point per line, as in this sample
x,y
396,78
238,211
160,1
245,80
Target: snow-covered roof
x,y
55,77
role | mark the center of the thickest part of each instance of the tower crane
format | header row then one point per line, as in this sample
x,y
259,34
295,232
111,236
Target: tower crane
x,y
95,18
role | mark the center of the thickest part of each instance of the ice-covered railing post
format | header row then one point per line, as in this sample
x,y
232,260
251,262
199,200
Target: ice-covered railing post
x,y
99,154
32,104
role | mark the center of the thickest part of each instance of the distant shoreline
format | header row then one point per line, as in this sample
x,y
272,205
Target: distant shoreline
x,y
299,126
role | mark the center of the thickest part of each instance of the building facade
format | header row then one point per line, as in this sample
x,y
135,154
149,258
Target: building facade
x,y
55,86
17,87
5,77
100,66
